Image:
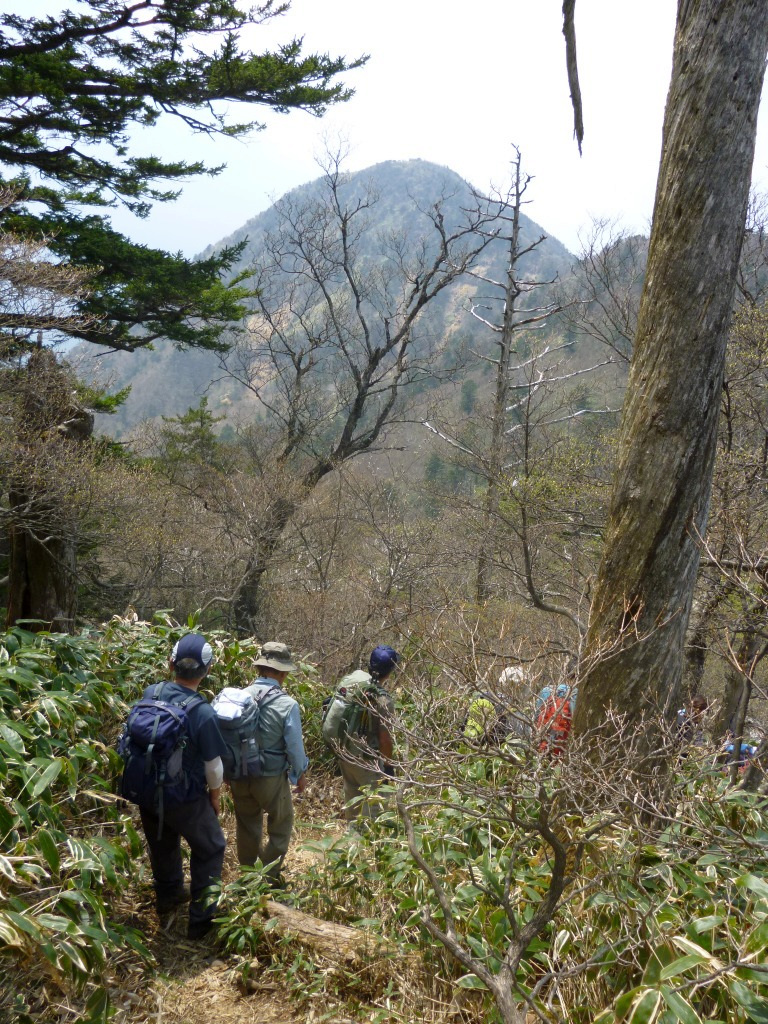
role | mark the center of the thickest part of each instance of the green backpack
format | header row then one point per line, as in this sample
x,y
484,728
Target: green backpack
x,y
348,716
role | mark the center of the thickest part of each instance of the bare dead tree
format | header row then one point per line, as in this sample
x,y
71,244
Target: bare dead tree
x,y
515,317
336,340
538,399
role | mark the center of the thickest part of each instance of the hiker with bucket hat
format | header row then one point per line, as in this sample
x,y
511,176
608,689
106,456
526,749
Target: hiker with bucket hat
x,y
284,764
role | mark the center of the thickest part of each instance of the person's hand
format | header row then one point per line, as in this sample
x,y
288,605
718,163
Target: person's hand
x,y
215,799
301,783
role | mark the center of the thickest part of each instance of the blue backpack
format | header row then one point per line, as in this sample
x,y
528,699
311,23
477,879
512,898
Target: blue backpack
x,y
746,753
152,747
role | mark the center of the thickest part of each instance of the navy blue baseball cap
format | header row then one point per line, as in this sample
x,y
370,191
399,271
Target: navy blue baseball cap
x,y
383,660
193,647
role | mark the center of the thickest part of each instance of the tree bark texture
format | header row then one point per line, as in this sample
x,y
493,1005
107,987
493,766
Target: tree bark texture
x,y
661,490
42,578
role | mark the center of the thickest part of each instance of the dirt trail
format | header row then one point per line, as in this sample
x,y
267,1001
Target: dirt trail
x,y
196,982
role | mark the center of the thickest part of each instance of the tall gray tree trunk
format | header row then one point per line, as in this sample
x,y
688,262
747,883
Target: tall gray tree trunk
x,y
661,492
499,420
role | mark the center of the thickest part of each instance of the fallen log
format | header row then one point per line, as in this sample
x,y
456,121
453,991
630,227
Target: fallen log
x,y
331,940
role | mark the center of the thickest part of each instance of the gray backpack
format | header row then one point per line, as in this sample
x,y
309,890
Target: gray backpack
x,y
238,713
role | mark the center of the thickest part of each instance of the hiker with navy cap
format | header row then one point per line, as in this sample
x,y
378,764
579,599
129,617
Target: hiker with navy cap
x,y
196,819
285,764
356,728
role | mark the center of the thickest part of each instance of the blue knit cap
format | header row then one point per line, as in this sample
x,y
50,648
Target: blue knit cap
x,y
383,660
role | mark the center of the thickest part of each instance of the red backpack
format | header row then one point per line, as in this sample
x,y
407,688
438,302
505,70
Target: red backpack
x,y
553,722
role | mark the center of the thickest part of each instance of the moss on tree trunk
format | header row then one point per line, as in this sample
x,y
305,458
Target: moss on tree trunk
x,y
662,486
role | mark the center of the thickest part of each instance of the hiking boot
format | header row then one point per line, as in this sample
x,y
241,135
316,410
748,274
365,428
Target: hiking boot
x,y
166,904
199,929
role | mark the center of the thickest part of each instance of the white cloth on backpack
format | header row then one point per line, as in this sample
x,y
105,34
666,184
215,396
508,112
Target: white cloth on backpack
x,y
231,702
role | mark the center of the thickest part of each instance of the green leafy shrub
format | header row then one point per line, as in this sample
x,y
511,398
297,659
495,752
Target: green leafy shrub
x,y
67,845
679,931
658,927
64,851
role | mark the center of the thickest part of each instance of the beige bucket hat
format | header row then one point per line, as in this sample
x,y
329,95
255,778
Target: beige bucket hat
x,y
277,656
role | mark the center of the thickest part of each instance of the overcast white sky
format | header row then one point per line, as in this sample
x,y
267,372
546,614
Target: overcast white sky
x,y
455,84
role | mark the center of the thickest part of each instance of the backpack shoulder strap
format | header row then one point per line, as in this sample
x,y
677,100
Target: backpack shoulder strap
x,y
267,696
157,693
185,702
194,698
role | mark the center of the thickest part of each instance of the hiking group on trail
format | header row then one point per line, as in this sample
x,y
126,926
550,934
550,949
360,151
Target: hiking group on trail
x,y
179,751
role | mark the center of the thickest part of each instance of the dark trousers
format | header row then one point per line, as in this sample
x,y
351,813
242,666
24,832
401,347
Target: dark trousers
x,y
197,823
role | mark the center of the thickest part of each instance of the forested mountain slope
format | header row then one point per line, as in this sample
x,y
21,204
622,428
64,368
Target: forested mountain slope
x,y
167,382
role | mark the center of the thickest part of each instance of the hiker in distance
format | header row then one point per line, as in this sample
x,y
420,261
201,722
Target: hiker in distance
x,y
284,764
691,722
555,708
355,726
186,785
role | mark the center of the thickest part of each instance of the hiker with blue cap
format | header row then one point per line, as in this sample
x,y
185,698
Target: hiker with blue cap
x,y
179,793
355,727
